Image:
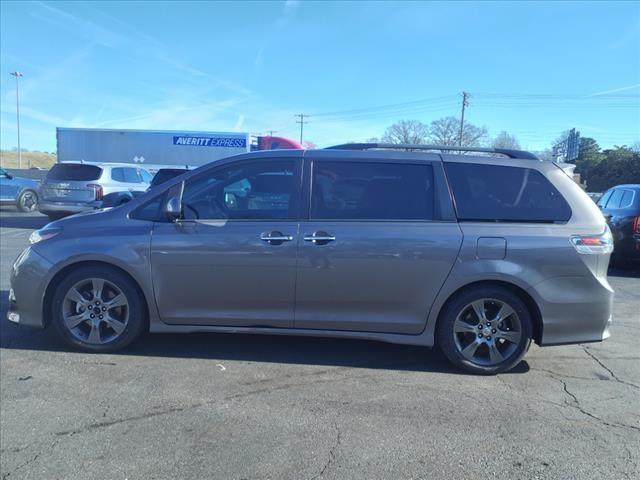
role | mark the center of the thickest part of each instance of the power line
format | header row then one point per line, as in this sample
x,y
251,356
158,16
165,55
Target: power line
x,y
391,106
301,116
492,97
465,104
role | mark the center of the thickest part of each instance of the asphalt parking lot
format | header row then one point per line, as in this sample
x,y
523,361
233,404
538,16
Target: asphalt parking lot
x,y
259,407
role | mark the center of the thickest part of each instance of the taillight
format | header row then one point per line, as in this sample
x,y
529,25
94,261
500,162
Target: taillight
x,y
97,189
636,225
594,244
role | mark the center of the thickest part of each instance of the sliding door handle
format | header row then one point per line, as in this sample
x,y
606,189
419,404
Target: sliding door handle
x,y
275,238
319,238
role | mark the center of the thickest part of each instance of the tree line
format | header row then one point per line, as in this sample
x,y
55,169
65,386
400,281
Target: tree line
x,y
603,169
599,169
445,131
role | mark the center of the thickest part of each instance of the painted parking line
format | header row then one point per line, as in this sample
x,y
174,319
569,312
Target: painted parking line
x,y
14,233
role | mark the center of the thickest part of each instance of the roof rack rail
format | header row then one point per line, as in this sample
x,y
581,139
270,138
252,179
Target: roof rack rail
x,y
519,154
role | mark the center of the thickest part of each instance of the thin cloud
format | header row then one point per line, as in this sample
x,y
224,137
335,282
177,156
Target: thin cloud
x,y
288,12
37,115
148,45
615,90
171,112
239,123
72,23
258,60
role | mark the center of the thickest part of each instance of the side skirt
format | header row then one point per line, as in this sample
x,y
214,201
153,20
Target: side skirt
x,y
422,339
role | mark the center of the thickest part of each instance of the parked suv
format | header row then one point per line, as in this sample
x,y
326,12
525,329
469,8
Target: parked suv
x,y
70,188
480,255
18,191
621,208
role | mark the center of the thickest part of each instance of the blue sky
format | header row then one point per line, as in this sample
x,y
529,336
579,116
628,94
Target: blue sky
x,y
533,69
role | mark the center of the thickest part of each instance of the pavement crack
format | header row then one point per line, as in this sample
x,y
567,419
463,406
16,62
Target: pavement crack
x,y
28,462
177,409
133,418
575,403
600,378
613,375
332,453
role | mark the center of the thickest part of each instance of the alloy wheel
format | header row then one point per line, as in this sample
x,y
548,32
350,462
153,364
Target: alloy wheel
x,y
487,331
95,311
28,201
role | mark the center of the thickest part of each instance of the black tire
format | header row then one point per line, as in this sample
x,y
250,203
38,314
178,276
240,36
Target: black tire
x,y
449,341
27,201
137,312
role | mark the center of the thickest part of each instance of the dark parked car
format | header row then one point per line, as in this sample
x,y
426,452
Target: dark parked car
x,y
166,174
621,208
18,191
480,255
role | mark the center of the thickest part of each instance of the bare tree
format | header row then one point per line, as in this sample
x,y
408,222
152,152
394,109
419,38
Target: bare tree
x,y
504,140
446,131
406,131
544,155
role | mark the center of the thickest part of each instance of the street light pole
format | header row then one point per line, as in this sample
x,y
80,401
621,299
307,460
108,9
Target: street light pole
x,y
17,74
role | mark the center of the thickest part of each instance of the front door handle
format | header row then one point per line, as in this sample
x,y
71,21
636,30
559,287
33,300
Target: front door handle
x,y
319,238
275,238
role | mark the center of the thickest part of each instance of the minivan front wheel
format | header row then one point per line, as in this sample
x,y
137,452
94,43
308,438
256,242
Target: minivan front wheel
x,y
98,309
485,330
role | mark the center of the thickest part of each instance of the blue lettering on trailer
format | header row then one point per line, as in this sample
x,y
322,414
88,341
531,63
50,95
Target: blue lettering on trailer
x,y
232,142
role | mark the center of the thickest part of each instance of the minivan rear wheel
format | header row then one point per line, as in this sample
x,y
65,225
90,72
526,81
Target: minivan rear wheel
x,y
485,330
98,309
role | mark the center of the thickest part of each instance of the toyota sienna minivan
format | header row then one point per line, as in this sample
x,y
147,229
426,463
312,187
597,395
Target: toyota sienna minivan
x,y
479,254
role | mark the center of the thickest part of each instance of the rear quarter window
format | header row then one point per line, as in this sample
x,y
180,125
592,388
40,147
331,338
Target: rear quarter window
x,y
74,172
494,193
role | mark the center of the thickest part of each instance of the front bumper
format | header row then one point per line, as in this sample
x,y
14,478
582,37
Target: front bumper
x,y
49,206
28,282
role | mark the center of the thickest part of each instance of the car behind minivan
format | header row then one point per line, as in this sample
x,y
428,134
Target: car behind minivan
x,y
621,208
71,187
479,255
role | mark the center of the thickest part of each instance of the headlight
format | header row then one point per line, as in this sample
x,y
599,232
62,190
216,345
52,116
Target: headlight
x,y
44,234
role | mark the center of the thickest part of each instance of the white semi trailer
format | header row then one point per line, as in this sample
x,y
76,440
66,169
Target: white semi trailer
x,y
155,149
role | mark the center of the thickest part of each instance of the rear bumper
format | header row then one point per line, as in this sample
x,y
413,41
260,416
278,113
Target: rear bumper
x,y
48,206
574,309
28,283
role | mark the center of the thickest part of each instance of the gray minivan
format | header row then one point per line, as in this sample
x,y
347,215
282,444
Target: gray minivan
x,y
479,254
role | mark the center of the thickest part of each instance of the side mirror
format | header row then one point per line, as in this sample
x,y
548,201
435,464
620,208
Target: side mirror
x,y
173,208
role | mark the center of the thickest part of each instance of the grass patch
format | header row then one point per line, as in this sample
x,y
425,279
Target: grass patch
x,y
9,159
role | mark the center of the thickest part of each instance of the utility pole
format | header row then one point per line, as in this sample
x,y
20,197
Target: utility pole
x,y
465,104
17,74
301,116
